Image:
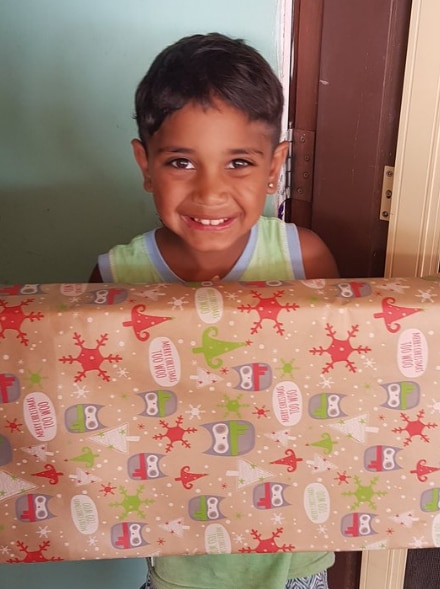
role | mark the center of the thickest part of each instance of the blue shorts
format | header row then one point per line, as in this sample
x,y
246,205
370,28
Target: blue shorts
x,y
318,581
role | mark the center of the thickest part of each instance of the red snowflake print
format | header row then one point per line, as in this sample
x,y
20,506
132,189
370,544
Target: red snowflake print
x,y
266,545
12,318
91,358
340,350
175,433
13,425
389,531
261,411
107,489
342,477
34,555
414,427
268,308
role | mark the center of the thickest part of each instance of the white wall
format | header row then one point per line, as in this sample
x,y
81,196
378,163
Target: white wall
x,y
69,188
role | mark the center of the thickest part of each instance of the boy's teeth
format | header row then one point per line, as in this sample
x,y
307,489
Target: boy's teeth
x,y
209,221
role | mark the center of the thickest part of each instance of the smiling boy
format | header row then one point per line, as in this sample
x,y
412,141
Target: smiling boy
x,y
209,115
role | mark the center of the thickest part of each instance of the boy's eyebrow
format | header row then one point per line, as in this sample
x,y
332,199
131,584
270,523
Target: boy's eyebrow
x,y
232,151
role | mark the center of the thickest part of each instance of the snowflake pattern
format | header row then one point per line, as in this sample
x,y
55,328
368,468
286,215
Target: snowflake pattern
x,y
34,555
364,493
175,433
414,427
268,308
90,358
274,424
131,503
268,545
13,317
340,350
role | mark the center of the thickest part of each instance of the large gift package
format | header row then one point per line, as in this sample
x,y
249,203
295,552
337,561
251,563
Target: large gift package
x,y
141,420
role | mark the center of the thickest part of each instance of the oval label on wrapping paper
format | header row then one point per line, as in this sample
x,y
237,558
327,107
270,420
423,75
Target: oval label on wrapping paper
x,y
317,503
436,531
412,353
40,416
84,514
209,304
217,540
164,362
287,403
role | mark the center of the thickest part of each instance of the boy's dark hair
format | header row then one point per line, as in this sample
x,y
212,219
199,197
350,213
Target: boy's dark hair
x,y
202,68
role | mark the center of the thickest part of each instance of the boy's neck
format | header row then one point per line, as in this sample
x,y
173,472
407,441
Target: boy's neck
x,y
193,266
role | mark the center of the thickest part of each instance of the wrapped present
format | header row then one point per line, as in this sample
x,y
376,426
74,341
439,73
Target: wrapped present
x,y
141,420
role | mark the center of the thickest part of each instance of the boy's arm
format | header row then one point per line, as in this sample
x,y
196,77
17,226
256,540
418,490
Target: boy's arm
x,y
317,258
95,276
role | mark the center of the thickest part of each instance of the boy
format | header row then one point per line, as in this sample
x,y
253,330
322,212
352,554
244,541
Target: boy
x,y
209,114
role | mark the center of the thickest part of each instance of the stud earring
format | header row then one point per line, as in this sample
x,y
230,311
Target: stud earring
x,y
271,185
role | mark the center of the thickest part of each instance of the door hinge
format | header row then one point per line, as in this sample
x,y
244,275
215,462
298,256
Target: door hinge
x,y
387,193
303,147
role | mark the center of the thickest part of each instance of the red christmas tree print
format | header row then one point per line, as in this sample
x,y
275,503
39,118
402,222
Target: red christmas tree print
x,y
391,313
266,545
290,460
187,477
340,350
13,317
268,308
142,323
91,358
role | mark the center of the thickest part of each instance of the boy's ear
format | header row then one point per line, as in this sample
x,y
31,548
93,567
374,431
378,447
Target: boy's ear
x,y
278,158
140,155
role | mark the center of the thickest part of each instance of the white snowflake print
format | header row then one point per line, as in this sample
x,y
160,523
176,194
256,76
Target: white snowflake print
x,y
435,406
418,542
195,411
153,293
369,363
178,303
43,532
277,518
238,538
326,382
80,391
92,541
426,296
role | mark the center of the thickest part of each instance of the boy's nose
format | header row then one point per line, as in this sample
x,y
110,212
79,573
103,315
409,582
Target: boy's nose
x,y
210,187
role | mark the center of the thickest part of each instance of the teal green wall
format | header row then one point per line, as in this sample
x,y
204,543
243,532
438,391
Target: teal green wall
x,y
69,188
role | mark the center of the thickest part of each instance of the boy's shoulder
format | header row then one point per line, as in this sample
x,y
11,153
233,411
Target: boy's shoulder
x,y
317,259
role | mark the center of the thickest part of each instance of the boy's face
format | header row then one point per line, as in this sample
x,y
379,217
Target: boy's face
x,y
209,170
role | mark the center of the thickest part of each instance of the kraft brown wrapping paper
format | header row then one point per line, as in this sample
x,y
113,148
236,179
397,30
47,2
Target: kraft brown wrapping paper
x,y
214,418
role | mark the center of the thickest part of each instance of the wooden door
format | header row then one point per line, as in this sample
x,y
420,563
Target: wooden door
x,y
346,88
349,58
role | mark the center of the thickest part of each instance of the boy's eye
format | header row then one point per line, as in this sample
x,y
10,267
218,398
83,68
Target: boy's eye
x,y
181,163
238,164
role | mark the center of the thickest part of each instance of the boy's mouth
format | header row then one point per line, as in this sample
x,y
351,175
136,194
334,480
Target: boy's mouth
x,y
210,222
